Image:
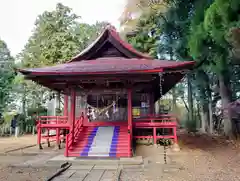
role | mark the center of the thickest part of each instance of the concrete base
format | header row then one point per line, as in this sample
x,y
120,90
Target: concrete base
x,y
138,160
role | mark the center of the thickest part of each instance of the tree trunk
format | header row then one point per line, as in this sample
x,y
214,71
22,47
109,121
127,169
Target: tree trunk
x,y
190,99
24,101
205,116
225,94
174,101
210,115
198,115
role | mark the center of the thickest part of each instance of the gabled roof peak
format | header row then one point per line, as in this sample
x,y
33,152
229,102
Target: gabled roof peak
x,y
111,27
109,44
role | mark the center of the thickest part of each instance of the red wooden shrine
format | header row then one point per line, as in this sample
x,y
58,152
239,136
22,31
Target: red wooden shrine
x,y
109,93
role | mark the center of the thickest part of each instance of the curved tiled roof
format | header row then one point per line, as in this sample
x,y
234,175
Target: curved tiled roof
x,y
109,65
106,56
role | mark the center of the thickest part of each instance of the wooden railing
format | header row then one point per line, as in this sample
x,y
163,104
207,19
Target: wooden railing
x,y
129,141
73,134
47,123
45,120
161,121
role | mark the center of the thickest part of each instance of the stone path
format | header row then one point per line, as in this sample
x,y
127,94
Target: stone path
x,y
90,173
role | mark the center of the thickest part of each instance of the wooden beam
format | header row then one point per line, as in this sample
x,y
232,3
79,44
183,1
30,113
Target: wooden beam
x,y
94,51
62,78
120,48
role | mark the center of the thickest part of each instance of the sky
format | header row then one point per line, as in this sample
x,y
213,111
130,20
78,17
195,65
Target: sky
x,y
17,17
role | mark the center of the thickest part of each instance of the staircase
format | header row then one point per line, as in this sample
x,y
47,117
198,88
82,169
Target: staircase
x,y
102,141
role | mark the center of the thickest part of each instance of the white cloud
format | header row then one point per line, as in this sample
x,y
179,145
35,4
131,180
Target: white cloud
x,y
17,17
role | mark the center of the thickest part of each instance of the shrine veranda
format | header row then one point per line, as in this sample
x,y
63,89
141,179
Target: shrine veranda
x,y
109,94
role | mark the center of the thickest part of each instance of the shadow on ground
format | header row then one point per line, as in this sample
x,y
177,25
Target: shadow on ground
x,y
206,142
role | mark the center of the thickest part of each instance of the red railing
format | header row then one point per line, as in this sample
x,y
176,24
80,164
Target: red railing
x,y
159,121
73,134
45,120
47,123
129,141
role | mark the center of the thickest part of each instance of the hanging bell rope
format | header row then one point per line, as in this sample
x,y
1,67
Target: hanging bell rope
x,y
164,140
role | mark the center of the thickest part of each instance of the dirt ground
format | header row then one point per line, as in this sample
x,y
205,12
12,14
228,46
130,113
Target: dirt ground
x,y
25,174
202,158
9,172
11,154
11,143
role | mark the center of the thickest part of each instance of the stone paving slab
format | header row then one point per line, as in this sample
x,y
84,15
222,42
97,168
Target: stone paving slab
x,y
79,175
60,179
68,173
95,175
109,174
72,175
36,161
105,167
81,167
91,174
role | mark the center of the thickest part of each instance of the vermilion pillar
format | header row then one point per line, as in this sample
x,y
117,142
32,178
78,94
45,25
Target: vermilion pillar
x,y
72,114
129,95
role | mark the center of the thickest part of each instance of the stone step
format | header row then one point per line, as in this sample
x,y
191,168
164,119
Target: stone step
x,y
88,161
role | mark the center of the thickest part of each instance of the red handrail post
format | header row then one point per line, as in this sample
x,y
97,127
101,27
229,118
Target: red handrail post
x,y
129,95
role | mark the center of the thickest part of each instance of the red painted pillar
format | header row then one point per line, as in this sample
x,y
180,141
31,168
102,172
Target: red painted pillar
x,y
72,114
129,94
65,105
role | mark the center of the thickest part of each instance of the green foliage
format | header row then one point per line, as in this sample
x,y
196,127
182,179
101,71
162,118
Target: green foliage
x,y
2,120
57,37
147,37
8,116
6,75
21,120
53,40
206,31
40,111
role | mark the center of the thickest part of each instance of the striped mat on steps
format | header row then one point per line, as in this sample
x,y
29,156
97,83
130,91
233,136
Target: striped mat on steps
x,y
102,142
